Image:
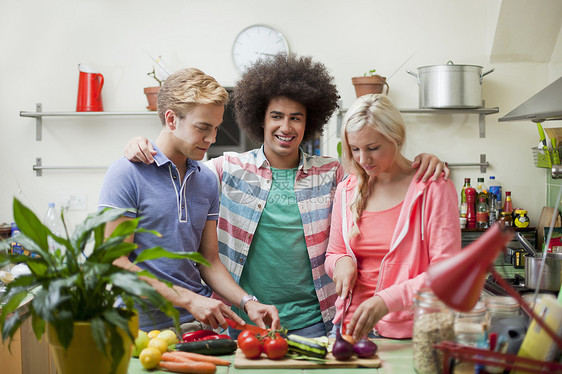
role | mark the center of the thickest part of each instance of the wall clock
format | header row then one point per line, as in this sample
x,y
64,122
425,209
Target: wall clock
x,y
256,42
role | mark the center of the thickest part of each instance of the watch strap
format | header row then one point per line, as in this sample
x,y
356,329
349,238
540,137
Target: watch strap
x,y
245,299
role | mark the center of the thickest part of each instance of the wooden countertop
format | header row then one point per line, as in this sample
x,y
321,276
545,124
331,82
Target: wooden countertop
x,y
396,356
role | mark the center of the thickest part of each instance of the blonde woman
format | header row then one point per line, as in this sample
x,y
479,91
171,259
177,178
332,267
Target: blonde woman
x,y
386,227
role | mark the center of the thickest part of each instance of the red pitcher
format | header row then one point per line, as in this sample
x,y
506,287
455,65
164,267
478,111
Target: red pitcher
x,y
90,84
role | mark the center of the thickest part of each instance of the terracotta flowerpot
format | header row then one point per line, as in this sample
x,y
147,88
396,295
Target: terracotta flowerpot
x,y
152,97
83,356
369,85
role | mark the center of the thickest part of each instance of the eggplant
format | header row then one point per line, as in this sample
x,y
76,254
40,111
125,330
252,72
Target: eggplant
x,y
365,348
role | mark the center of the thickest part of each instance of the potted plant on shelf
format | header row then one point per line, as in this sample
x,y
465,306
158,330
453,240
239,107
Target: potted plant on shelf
x,y
369,83
152,92
75,289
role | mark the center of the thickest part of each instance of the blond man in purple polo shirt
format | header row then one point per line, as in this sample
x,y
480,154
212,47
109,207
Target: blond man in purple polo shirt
x,y
179,198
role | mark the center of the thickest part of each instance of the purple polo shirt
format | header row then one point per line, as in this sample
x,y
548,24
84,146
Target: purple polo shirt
x,y
177,210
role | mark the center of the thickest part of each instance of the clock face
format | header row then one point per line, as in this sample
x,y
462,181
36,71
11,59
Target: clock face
x,y
257,42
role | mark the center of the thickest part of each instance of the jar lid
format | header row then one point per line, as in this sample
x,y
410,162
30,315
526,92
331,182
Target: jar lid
x,y
426,298
506,213
502,302
479,308
529,297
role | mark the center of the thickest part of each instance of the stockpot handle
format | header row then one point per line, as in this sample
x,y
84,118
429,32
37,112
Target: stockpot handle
x,y
486,73
414,75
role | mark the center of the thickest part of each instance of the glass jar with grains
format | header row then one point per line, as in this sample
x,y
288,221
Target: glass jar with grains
x,y
433,323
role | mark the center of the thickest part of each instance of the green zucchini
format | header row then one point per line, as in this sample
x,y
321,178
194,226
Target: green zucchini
x,y
306,346
216,347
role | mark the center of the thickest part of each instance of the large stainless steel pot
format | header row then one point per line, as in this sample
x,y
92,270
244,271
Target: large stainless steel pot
x,y
450,86
551,277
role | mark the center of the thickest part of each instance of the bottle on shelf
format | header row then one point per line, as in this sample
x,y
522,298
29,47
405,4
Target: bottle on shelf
x,y
482,190
508,205
463,197
494,213
482,213
53,221
495,188
470,207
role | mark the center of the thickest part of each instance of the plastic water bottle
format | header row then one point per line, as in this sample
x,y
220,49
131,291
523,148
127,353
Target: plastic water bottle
x,y
496,189
53,221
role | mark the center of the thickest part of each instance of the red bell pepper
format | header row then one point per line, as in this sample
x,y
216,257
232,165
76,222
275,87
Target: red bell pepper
x,y
197,335
215,337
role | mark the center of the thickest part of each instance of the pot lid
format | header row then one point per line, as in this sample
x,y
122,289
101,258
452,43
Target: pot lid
x,y
450,64
544,106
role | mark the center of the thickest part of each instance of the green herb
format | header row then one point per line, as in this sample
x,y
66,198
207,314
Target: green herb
x,y
153,75
370,73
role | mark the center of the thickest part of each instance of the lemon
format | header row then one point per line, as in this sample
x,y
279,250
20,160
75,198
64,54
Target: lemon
x,y
169,337
141,342
159,344
150,357
152,334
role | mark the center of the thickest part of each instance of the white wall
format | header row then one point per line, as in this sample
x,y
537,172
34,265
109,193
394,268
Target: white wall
x,y
42,43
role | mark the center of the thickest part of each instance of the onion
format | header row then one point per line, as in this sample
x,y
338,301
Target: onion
x,y
342,349
365,348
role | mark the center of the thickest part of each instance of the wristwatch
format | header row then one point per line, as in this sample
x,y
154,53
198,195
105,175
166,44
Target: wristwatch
x,y
245,299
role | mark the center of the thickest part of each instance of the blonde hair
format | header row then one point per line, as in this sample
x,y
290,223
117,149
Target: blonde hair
x,y
185,88
380,114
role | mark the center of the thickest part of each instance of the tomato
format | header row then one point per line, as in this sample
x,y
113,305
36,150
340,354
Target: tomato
x,y
275,348
245,334
250,346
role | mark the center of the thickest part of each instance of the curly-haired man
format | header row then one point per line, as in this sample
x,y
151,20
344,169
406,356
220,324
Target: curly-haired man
x,y
276,200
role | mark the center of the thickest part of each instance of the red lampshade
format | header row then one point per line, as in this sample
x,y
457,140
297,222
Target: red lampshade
x,y
458,280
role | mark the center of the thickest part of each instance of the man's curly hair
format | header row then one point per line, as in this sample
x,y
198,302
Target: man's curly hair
x,y
299,79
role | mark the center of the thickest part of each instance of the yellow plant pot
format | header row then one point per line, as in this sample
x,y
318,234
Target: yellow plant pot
x,y
83,356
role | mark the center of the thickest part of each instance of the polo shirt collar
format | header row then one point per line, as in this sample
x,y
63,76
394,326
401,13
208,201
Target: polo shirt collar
x,y
160,159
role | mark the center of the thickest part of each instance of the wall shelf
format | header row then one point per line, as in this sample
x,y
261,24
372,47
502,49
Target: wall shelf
x,y
39,114
482,113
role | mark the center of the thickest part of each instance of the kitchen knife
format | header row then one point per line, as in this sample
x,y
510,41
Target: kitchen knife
x,y
346,304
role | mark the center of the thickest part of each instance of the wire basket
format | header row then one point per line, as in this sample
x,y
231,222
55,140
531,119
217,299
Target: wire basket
x,y
545,158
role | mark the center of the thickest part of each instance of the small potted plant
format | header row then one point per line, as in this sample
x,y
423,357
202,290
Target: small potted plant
x,y
369,83
75,288
152,92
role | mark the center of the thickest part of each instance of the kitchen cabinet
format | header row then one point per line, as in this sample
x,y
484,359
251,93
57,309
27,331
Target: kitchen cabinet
x,y
26,355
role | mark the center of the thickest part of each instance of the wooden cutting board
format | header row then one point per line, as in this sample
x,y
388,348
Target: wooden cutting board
x,y
241,362
544,221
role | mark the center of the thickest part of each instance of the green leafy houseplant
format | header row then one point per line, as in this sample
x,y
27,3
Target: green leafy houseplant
x,y
68,286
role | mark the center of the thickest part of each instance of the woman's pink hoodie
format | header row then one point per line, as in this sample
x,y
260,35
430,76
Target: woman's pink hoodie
x,y
427,230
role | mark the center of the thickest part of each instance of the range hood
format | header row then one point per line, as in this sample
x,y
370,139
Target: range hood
x,y
544,106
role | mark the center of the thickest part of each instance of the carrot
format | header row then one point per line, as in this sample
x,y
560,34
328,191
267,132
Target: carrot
x,y
192,367
199,357
171,356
